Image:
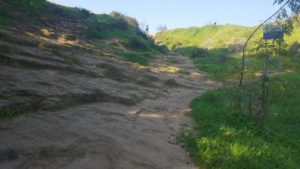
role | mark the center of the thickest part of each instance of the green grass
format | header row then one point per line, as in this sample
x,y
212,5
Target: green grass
x,y
210,36
124,28
216,49
219,63
134,57
105,26
95,26
213,48
230,139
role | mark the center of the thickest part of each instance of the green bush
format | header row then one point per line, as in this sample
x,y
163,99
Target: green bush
x,y
84,12
136,44
130,21
106,26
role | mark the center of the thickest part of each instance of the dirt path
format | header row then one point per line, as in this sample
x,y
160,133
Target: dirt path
x,y
109,135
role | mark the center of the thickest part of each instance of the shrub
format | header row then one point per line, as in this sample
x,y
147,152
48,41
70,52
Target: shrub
x,y
136,43
130,21
106,26
294,49
84,12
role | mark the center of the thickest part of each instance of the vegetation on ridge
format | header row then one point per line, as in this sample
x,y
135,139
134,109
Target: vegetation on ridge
x,y
243,127
216,49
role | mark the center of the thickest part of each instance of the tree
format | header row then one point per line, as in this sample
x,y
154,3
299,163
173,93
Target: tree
x,y
294,5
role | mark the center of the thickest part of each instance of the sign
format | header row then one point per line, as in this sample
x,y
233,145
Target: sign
x,y
273,32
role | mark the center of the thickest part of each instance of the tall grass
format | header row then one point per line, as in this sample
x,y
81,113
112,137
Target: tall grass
x,y
232,139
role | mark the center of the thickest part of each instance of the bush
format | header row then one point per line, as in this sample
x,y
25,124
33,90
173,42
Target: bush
x,y
130,21
84,12
106,26
136,43
294,50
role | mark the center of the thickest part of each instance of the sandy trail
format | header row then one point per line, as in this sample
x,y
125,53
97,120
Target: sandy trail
x,y
109,135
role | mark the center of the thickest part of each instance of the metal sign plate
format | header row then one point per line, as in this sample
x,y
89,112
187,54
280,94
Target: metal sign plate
x,y
273,32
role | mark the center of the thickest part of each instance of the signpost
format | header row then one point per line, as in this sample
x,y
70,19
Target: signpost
x,y
273,32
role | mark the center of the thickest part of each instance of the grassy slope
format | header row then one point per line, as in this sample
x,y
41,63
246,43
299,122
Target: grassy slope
x,y
215,36
14,13
229,139
216,48
47,27
211,36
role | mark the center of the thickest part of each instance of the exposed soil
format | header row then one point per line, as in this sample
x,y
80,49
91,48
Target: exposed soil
x,y
99,114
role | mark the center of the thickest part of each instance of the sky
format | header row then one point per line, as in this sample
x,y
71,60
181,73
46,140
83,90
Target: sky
x,y
182,13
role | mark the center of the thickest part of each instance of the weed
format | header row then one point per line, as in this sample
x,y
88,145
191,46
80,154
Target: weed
x,y
136,43
11,111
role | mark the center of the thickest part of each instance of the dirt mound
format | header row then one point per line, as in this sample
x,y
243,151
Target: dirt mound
x,y
87,110
82,105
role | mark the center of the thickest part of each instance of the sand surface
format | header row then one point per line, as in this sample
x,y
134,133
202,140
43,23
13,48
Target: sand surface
x,y
110,135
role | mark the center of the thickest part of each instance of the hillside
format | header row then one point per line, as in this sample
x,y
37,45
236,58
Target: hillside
x,y
216,49
83,90
80,90
76,43
247,126
214,36
211,36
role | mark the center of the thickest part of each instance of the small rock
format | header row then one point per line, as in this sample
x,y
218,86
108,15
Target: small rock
x,y
173,140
